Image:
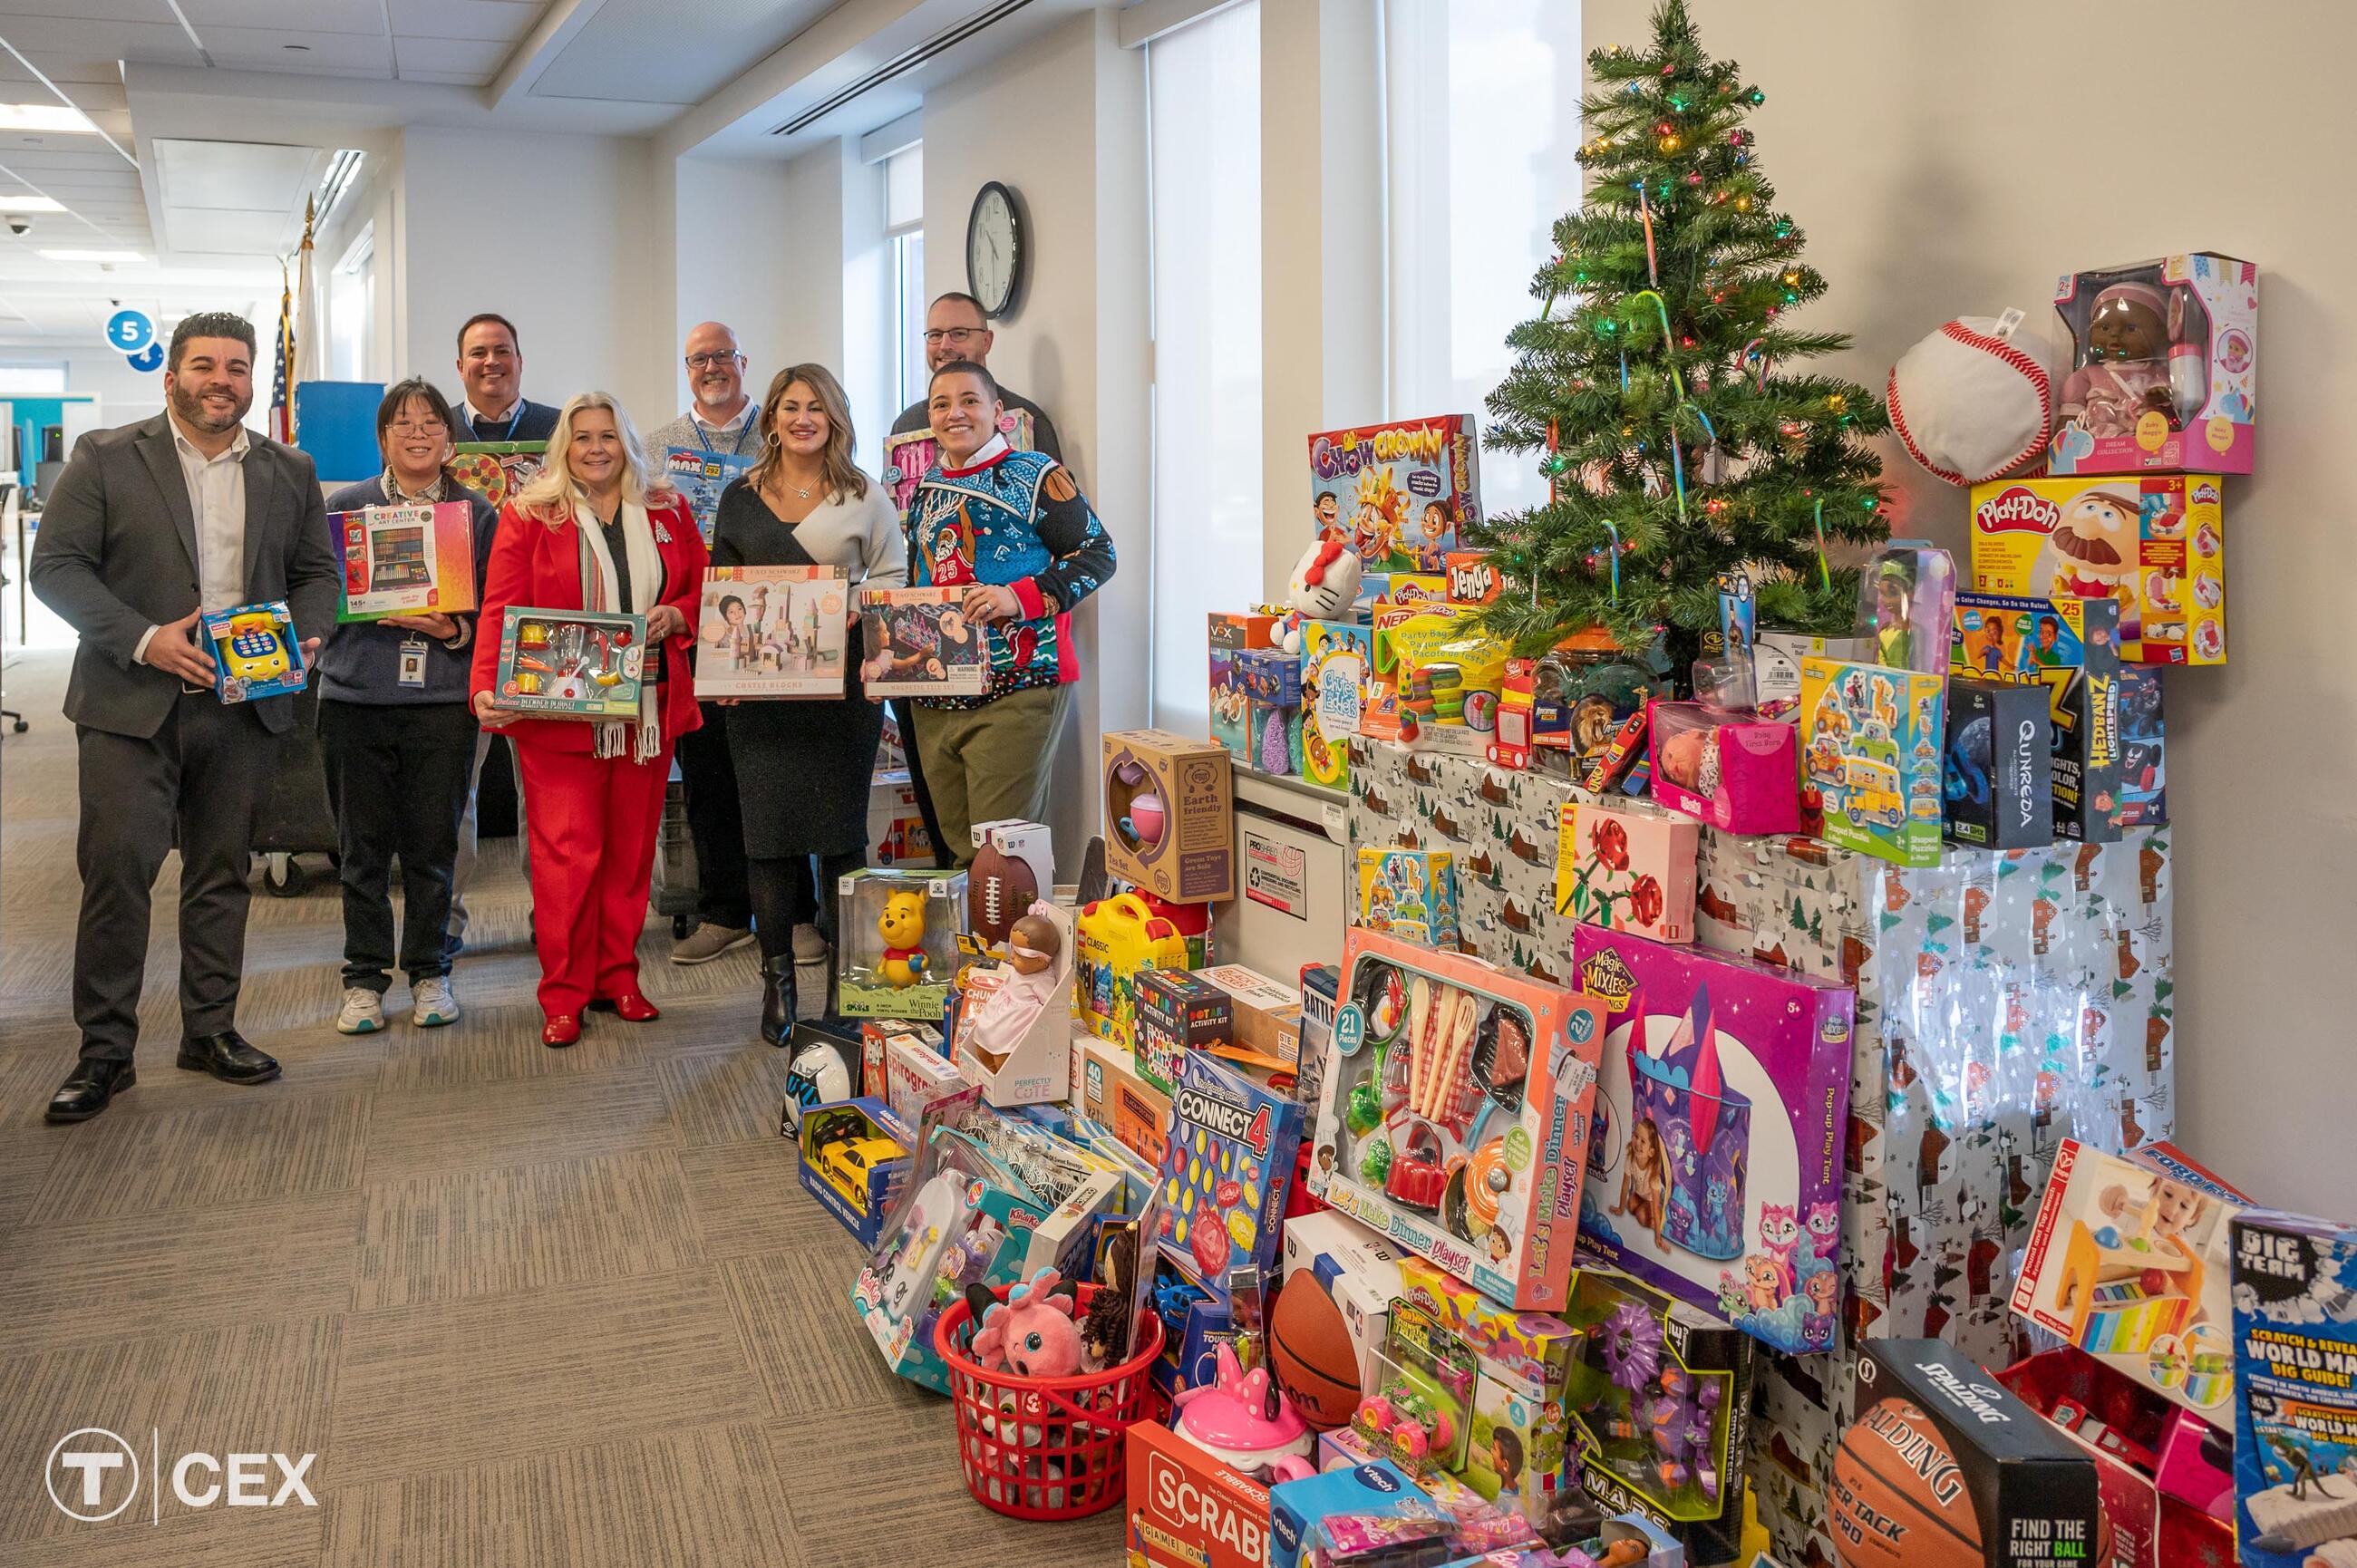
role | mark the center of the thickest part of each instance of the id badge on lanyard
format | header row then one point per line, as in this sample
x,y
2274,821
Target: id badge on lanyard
x,y
413,663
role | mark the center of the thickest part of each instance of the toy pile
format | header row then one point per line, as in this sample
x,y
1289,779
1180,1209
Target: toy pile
x,y
1753,1021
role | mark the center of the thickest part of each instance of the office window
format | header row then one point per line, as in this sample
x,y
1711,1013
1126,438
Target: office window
x,y
352,310
1481,122
1203,89
904,230
44,379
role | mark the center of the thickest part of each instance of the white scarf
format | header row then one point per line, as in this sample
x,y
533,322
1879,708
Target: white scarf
x,y
643,739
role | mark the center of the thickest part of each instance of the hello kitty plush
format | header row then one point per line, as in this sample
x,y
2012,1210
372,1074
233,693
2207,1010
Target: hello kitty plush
x,y
1324,585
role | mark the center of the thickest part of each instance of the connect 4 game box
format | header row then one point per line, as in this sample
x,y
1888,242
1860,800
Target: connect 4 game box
x,y
1224,1175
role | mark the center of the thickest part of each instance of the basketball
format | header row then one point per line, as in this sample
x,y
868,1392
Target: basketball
x,y
999,888
1898,1497
1310,1351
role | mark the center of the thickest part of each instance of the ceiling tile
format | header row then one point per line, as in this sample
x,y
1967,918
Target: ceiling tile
x,y
478,59
249,233
83,38
505,20
365,17
234,175
631,50
337,54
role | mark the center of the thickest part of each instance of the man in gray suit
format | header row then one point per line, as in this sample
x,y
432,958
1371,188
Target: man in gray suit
x,y
148,527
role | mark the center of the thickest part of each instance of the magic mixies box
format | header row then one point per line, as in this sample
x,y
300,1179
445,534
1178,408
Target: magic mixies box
x,y
2295,1297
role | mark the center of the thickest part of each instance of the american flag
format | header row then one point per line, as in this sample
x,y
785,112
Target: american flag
x,y
282,397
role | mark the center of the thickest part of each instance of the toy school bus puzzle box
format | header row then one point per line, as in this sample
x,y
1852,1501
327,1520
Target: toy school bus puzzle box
x,y
1397,493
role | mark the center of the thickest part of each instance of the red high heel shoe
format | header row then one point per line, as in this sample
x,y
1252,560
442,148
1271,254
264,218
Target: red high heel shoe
x,y
633,1008
562,1030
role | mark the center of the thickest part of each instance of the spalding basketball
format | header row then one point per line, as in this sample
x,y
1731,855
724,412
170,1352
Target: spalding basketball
x,y
1898,1497
1309,1348
998,889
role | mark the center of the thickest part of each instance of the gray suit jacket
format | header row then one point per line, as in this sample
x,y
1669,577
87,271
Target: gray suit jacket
x,y
117,554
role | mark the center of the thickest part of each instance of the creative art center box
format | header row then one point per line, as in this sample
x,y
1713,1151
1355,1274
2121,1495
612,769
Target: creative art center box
x,y
772,631
1456,1100
2155,543
256,651
1945,1468
2295,1404
570,664
2166,368
405,559
2129,1260
1715,1169
1397,493
1871,739
2070,647
1226,1173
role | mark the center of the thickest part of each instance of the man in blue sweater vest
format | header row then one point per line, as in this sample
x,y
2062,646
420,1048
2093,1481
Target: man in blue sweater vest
x,y
490,364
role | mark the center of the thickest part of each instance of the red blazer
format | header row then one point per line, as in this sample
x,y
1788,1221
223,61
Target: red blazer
x,y
539,566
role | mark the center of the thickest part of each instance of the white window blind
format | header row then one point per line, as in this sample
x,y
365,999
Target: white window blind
x,y
1481,123
1203,83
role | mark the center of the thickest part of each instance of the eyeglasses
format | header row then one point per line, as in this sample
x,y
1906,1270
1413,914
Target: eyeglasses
x,y
419,427
713,361
954,335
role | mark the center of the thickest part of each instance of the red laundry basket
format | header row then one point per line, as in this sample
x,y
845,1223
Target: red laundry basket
x,y
1044,1448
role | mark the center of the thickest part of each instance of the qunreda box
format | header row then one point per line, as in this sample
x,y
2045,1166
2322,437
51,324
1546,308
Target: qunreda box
x,y
1945,1467
1997,773
2069,648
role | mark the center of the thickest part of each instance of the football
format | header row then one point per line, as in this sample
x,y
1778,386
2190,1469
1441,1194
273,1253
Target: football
x,y
998,888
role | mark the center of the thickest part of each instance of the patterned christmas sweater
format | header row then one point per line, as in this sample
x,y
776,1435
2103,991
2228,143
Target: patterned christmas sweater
x,y
1014,519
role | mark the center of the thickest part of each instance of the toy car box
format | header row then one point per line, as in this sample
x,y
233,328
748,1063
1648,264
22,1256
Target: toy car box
x,y
1716,1171
1453,1111
256,652
2166,368
855,1161
1230,636
1870,741
1169,815
2129,1260
898,950
916,642
1399,493
2295,1414
772,631
2070,647
1997,773
405,559
569,664
1628,868
2155,543
1224,1176
1943,1464
1178,1012
1187,1510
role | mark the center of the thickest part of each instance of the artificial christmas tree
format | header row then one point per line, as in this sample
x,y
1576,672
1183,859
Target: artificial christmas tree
x,y
1656,380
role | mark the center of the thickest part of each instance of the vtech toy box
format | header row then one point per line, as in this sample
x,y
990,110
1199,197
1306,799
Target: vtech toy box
x,y
256,653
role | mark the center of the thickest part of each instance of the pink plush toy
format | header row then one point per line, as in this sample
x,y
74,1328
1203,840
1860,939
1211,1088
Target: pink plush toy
x,y
1245,1423
1031,1333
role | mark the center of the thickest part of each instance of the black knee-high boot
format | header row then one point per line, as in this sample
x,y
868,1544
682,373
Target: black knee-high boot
x,y
778,1003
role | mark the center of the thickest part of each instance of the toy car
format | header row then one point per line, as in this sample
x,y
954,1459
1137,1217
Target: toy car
x,y
845,1164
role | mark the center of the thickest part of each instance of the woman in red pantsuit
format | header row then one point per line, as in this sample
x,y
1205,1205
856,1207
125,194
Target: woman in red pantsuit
x,y
592,531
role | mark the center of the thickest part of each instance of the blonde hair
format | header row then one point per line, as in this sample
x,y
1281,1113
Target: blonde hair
x,y
553,495
837,471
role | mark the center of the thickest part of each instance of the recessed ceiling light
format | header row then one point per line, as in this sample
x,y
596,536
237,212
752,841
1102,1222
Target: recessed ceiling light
x,y
107,256
30,204
44,117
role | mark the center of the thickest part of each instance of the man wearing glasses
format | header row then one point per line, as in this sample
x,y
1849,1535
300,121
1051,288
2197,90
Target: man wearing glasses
x,y
955,329
702,450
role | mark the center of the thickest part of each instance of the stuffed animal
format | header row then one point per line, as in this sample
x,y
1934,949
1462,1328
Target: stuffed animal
x,y
902,927
1104,1332
1032,1333
1324,584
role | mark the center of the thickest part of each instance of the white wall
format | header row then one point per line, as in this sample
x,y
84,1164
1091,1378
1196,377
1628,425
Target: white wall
x,y
125,396
1062,123
574,262
739,262
1937,173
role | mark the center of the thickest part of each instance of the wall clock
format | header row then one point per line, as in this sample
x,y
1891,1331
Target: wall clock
x,y
994,249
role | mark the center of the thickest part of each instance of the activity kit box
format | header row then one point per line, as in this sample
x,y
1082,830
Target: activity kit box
x,y
1716,1171
1169,815
1409,893
256,652
1997,773
570,664
2167,368
916,642
2069,647
1225,1173
2154,542
1871,739
405,559
772,631
1178,1012
1455,1103
1397,493
1230,636
899,950
1627,868
2129,1260
2296,1414
1943,1464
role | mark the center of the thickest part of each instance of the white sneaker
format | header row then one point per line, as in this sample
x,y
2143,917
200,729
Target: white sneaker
x,y
363,1012
432,1003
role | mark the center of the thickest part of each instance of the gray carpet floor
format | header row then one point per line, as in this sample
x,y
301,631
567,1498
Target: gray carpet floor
x,y
527,1307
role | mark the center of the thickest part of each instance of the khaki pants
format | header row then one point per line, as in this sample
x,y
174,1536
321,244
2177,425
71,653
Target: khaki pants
x,y
987,764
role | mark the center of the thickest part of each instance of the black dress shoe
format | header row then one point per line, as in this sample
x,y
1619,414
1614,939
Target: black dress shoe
x,y
778,1001
88,1087
227,1058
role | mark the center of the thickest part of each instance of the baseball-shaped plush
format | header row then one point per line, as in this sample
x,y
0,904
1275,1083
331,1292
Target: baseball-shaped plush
x,y
998,888
1972,402
1325,581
